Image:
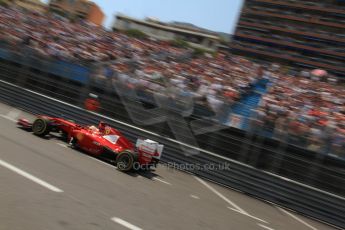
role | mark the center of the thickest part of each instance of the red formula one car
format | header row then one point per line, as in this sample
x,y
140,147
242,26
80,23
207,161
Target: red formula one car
x,y
102,141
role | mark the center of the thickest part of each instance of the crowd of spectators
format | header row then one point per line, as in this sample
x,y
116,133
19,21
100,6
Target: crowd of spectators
x,y
310,111
51,35
214,82
306,111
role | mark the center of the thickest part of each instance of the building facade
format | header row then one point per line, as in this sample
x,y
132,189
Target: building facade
x,y
300,33
78,9
166,32
31,5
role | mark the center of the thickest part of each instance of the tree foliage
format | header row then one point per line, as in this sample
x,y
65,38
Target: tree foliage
x,y
180,43
136,33
4,3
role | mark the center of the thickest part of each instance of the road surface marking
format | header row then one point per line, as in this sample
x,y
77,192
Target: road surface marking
x,y
195,197
221,195
160,180
296,218
8,118
265,227
29,176
125,223
246,214
12,115
62,145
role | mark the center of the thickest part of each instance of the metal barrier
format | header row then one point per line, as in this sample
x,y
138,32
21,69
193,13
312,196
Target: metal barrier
x,y
301,198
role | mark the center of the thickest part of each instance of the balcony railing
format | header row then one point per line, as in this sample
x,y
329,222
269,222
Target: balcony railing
x,y
292,44
314,6
294,31
285,56
309,18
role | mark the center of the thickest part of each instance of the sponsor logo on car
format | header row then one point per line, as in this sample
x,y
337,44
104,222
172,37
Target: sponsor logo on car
x,y
96,143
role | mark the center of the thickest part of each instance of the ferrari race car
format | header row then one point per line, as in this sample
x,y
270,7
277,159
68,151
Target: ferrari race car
x,y
102,141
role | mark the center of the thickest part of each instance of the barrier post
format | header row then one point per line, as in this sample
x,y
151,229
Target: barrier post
x,y
281,151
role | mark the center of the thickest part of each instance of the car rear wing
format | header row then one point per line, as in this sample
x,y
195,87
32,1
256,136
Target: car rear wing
x,y
150,147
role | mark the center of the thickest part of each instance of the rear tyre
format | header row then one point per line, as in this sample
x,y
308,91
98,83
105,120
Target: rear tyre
x,y
125,161
40,127
155,162
73,143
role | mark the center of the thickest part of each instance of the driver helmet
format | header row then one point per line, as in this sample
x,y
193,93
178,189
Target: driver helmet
x,y
101,126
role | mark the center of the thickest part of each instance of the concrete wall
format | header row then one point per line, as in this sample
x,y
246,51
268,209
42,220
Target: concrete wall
x,y
150,31
165,35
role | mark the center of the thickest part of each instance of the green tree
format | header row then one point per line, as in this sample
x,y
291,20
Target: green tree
x,y
4,3
178,42
223,41
136,33
199,52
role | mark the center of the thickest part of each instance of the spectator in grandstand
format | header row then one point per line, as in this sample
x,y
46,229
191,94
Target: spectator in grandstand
x,y
313,107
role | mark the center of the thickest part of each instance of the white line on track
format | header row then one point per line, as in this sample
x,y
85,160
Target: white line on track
x,y
236,207
29,176
246,214
125,223
265,227
221,195
195,197
160,180
12,115
297,218
8,118
62,145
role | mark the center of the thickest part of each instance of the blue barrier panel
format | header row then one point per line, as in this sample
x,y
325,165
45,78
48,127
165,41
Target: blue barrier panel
x,y
61,68
69,70
4,54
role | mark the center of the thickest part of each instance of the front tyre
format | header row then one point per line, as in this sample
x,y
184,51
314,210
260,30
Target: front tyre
x,y
64,136
125,161
40,127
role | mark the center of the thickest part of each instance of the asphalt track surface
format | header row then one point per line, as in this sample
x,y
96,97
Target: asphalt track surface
x,y
46,185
